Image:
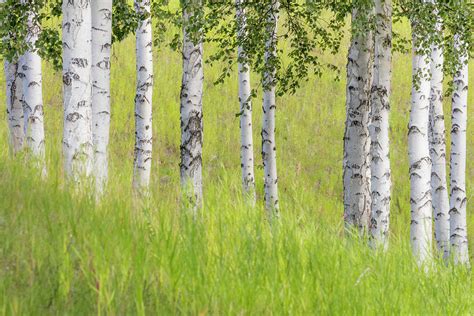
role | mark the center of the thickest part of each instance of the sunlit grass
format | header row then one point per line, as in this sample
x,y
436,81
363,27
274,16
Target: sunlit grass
x,y
63,253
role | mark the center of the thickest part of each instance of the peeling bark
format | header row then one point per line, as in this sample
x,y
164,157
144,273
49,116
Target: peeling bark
x,y
379,129
77,134
458,199
101,46
437,138
246,137
191,112
419,153
269,109
356,163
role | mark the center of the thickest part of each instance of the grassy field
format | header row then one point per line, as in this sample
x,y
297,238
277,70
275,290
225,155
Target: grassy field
x,y
62,253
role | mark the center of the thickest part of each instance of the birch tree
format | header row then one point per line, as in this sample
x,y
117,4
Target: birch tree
x,y
143,98
77,134
458,199
418,148
32,101
15,114
379,128
14,95
356,162
191,105
269,110
246,137
101,46
439,191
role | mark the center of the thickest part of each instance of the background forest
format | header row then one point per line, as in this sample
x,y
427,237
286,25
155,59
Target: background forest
x,y
62,252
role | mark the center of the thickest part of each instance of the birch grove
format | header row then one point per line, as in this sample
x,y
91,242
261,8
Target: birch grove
x,y
356,162
101,46
191,108
437,139
246,137
77,90
419,152
379,127
458,198
269,110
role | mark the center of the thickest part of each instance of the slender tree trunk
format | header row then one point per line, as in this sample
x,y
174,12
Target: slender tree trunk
x,y
15,116
31,75
458,200
356,164
419,154
14,107
246,137
379,129
77,137
439,191
101,45
143,99
191,110
269,109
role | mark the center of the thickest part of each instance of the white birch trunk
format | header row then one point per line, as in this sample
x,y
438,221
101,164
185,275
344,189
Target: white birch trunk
x,y
14,107
143,99
31,75
101,45
269,109
458,199
77,134
379,128
419,154
356,163
246,137
191,112
439,191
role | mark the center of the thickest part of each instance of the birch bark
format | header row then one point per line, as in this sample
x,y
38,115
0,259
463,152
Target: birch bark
x,y
77,134
143,99
458,199
191,110
379,128
356,163
101,46
439,191
419,153
246,137
14,107
269,109
31,77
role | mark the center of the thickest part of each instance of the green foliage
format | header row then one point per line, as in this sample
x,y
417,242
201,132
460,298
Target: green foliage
x,y
63,253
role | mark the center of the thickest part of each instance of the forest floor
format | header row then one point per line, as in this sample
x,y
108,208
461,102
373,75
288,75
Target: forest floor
x,y
63,253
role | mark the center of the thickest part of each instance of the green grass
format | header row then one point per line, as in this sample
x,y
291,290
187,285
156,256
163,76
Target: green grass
x,y
62,253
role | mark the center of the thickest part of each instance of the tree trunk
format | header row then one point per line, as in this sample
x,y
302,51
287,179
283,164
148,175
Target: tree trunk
x,y
269,109
379,129
31,75
439,191
143,99
356,164
246,137
101,45
14,108
191,111
77,137
419,153
458,199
